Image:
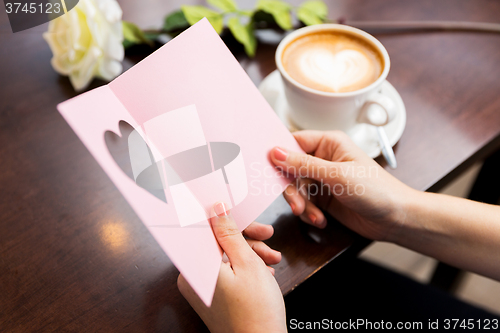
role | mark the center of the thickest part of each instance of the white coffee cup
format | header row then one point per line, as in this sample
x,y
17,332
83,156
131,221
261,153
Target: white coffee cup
x,y
314,109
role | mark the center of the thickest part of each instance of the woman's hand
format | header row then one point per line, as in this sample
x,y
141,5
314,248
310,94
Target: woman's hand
x,y
255,234
338,177
247,297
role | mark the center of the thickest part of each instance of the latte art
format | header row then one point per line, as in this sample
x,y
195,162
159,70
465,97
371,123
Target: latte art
x,y
335,72
332,62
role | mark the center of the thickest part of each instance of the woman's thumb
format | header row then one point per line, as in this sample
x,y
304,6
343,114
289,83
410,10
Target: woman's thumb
x,y
228,235
303,165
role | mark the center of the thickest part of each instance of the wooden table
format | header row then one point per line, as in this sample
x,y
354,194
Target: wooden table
x,y
75,257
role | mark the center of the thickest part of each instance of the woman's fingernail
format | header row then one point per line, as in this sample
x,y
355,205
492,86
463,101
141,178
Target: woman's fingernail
x,y
220,209
312,218
280,154
292,206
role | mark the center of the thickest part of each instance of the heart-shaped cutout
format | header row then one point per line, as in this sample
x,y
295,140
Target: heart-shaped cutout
x,y
118,146
192,179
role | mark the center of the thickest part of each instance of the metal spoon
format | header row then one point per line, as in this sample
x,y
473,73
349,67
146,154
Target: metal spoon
x,y
376,116
386,148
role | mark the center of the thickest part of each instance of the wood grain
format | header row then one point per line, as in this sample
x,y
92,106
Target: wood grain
x,y
75,257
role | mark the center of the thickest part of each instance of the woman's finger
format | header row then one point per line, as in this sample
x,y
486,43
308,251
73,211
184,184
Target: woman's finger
x,y
268,255
258,231
313,215
294,199
300,195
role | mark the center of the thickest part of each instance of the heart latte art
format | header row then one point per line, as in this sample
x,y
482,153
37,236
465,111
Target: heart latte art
x,y
332,62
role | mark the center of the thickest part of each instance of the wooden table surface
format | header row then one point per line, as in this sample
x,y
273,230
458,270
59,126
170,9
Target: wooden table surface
x,y
75,257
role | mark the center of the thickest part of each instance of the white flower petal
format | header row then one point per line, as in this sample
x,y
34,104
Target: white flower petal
x,y
87,42
109,69
83,73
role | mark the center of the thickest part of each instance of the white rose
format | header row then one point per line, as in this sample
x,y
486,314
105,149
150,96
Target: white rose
x,y
87,42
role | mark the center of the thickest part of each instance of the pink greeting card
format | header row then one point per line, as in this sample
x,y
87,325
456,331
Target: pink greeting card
x,y
201,133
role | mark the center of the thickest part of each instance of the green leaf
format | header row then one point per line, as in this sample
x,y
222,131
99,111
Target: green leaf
x,y
244,35
262,18
132,34
152,35
195,13
307,17
317,7
175,21
248,12
312,12
280,11
224,5
273,6
126,44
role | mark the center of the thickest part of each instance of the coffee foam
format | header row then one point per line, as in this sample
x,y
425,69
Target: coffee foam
x,y
332,62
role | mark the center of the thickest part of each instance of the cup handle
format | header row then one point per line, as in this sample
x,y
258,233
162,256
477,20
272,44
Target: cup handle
x,y
375,107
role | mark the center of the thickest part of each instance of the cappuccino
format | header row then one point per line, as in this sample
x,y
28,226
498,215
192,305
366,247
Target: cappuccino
x,y
332,61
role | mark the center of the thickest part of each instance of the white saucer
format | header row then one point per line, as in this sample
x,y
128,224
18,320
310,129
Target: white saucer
x,y
364,135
